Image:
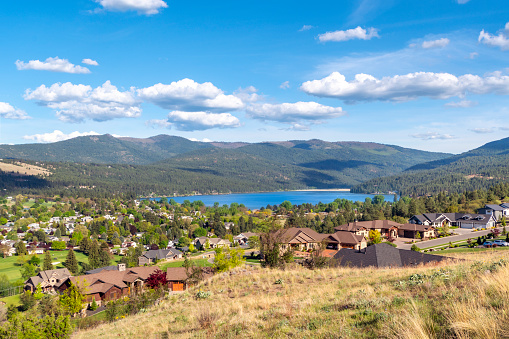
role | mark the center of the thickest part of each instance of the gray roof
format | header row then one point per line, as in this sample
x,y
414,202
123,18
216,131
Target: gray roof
x,y
494,207
383,255
160,254
105,268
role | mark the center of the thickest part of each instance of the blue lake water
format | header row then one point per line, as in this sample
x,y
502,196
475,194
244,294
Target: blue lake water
x,y
257,200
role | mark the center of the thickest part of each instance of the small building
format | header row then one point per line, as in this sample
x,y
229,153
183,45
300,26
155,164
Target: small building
x,y
50,280
152,256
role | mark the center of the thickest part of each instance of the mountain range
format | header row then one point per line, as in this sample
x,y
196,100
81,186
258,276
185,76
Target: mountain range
x,y
167,164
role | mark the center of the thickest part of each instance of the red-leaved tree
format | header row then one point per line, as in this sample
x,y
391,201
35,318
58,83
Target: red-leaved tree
x,y
157,280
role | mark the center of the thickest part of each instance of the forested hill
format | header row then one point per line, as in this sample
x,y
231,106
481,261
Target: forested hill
x,y
167,164
475,169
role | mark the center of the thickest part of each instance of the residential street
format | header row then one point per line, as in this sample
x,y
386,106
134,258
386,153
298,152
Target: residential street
x,y
463,235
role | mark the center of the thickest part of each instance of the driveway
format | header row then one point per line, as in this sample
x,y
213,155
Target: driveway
x,y
463,234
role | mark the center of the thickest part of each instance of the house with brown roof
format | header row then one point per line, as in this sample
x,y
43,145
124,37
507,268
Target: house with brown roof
x,y
50,280
178,278
387,228
344,239
411,230
305,239
110,285
199,243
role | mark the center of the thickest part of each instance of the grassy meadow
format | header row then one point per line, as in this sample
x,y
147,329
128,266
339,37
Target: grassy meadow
x,y
458,299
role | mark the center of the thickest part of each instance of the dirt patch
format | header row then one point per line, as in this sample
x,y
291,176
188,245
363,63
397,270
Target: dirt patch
x,y
22,168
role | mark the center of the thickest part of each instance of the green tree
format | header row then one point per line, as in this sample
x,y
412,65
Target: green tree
x,y
207,244
34,260
28,270
58,233
58,245
253,241
72,300
105,255
20,248
27,300
71,262
93,255
47,263
200,232
191,248
415,248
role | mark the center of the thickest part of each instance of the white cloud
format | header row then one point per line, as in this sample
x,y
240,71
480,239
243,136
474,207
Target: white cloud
x,y
298,127
461,104
76,103
51,64
482,130
90,62
349,34
473,55
9,112
147,7
293,112
407,87
190,96
306,28
285,85
57,135
248,94
432,136
501,40
435,43
197,121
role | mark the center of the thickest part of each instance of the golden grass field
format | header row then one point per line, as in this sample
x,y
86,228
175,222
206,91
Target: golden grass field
x,y
456,299
22,168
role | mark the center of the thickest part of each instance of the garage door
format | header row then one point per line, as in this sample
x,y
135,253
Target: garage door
x,y
178,286
409,234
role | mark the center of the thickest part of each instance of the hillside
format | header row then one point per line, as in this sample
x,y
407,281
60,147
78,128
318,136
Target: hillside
x,y
167,164
476,169
452,300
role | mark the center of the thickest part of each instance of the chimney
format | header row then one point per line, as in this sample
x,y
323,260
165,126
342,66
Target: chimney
x,y
121,267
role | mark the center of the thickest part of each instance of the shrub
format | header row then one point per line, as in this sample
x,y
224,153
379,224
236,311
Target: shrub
x,y
203,295
415,248
93,305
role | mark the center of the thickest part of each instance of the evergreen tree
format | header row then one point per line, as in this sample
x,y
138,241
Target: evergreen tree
x,y
104,255
93,255
47,264
58,234
63,230
71,263
84,245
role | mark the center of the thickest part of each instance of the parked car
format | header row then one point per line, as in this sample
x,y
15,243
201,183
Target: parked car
x,y
495,243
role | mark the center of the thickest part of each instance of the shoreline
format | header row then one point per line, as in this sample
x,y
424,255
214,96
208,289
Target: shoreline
x,y
323,190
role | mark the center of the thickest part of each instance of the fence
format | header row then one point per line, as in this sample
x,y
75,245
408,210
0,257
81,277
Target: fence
x,y
11,291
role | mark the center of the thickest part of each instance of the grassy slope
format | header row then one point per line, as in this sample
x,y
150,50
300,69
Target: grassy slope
x,y
465,302
8,265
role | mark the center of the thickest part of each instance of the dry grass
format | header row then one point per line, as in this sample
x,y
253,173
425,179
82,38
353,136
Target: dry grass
x,y
454,299
22,168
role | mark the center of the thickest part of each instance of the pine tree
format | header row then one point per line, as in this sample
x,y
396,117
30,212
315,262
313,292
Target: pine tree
x,y
71,263
63,230
104,255
93,255
58,234
47,264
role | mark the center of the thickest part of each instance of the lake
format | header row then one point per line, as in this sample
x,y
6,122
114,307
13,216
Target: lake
x,y
257,200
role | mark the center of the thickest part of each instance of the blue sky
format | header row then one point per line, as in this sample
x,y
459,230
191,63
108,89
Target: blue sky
x,y
430,75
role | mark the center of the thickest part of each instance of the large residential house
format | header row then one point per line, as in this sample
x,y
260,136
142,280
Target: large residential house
x,y
462,220
384,255
152,256
306,239
498,211
50,280
387,228
411,231
110,285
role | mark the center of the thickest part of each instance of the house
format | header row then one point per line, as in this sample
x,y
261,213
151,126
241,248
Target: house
x,y
299,239
118,267
152,256
243,238
344,239
50,280
387,228
498,211
229,225
178,278
411,230
383,256
462,220
109,285
199,243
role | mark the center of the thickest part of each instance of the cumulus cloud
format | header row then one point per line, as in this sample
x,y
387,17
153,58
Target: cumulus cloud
x,y
189,96
76,103
501,40
293,112
147,7
285,85
461,104
57,135
435,43
482,130
305,28
52,64
432,136
248,94
349,34
407,87
196,121
9,112
90,62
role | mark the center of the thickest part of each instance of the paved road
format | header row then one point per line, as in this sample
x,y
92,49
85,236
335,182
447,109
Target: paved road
x,y
446,240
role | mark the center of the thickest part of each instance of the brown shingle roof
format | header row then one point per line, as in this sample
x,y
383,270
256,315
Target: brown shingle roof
x,y
372,224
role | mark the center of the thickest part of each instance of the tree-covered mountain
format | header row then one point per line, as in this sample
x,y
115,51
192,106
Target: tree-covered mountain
x,y
167,164
476,169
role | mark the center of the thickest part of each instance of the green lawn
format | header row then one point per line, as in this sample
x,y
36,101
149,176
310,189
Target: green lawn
x,y
469,250
8,265
180,263
12,300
